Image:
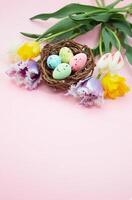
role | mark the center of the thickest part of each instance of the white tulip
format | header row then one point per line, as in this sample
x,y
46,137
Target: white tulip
x,y
110,62
116,62
103,63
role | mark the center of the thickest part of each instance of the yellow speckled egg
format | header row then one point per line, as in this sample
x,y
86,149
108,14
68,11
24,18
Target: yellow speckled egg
x,y
65,54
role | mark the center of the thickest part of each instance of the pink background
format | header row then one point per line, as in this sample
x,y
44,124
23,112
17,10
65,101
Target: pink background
x,y
50,147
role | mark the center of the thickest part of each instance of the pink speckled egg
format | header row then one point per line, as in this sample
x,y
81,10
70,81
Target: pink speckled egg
x,y
78,61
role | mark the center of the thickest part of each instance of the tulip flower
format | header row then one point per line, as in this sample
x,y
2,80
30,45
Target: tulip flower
x,y
103,63
116,62
25,74
29,50
110,62
114,86
88,91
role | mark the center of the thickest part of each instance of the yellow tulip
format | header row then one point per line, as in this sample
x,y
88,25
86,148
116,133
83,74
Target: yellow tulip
x,y
29,50
114,86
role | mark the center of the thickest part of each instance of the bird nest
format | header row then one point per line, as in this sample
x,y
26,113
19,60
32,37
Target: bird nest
x,y
51,49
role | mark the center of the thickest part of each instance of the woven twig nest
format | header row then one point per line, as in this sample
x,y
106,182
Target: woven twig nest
x,y
51,49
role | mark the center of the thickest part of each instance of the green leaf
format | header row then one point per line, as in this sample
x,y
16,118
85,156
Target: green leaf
x,y
123,26
65,11
114,39
106,39
30,35
117,17
124,42
86,15
102,16
123,38
129,53
63,26
96,51
63,36
71,34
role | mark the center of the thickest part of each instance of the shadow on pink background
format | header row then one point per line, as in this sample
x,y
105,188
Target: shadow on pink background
x,y
50,147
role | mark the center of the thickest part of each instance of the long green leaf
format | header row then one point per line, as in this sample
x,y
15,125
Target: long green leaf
x,y
114,39
71,34
67,10
67,34
103,17
117,17
30,35
86,15
129,53
63,26
123,26
106,40
63,36
124,42
98,16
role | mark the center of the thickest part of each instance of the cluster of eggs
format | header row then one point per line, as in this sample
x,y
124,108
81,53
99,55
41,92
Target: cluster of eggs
x,y
65,63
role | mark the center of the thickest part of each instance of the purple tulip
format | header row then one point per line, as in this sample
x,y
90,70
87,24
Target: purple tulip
x,y
89,91
25,73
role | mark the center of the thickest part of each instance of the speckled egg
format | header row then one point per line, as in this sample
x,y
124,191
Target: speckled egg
x,y
53,61
78,62
65,54
62,71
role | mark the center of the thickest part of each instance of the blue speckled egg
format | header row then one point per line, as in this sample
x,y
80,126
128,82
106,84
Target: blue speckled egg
x,y
53,61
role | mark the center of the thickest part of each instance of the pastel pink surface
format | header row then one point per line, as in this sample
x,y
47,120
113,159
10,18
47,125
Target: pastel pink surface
x,y
50,147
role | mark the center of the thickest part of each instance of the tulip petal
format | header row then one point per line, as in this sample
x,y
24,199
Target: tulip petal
x,y
103,63
117,62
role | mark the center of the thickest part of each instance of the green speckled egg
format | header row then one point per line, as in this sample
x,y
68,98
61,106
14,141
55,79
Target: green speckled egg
x,y
65,54
62,71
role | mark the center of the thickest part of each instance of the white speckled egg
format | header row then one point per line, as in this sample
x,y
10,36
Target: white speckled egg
x,y
65,54
78,62
62,71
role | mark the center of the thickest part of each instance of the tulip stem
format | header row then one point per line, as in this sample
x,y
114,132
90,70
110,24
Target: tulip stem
x,y
98,76
103,2
118,41
100,46
56,34
98,3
